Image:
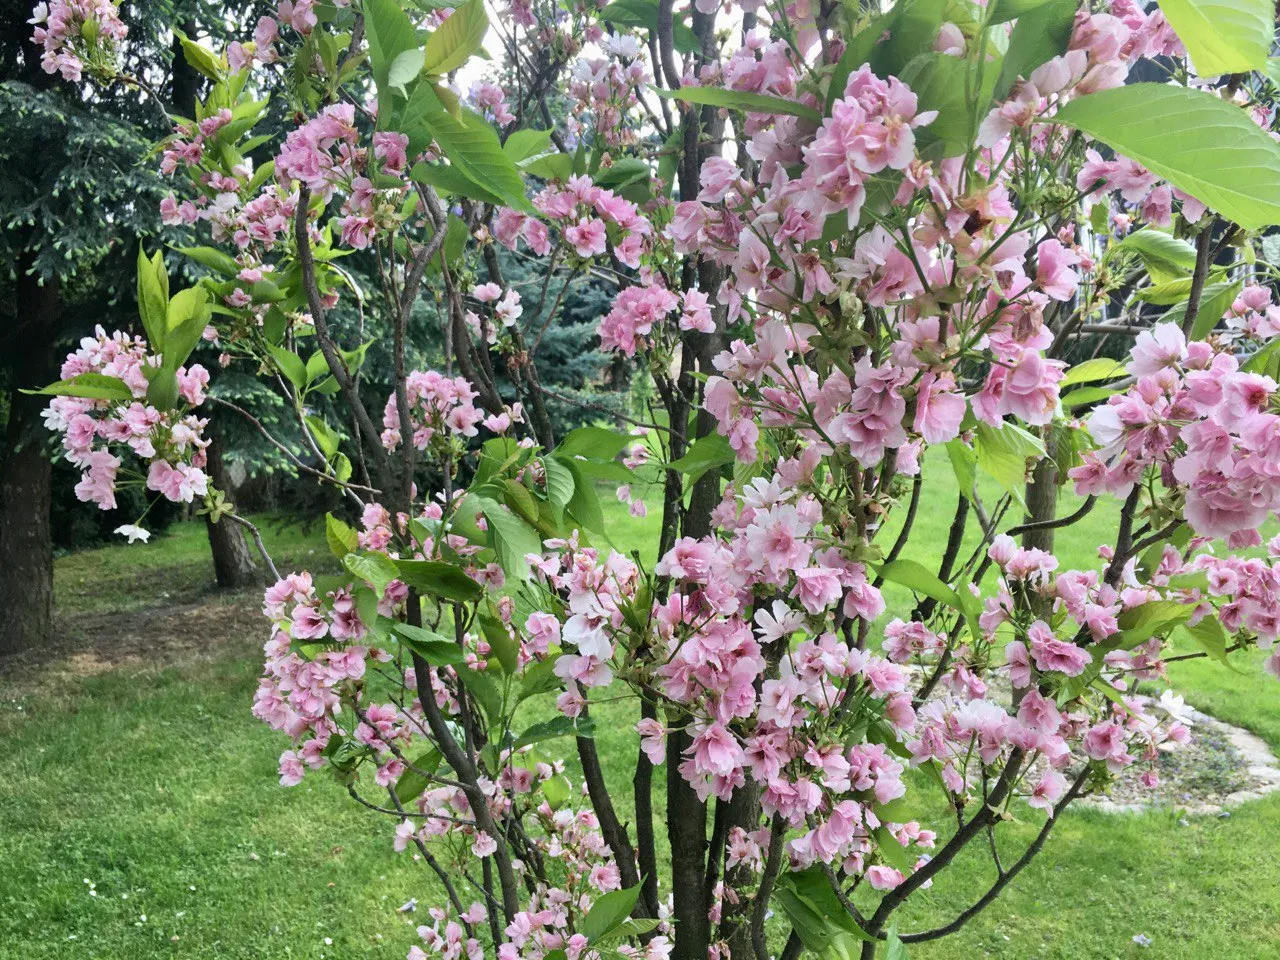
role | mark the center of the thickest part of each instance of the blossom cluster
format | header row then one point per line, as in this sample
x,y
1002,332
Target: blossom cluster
x,y
72,32
590,220
438,406
1202,423
98,433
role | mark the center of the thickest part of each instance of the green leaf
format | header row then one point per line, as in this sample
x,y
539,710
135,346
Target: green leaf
x,y
1215,301
457,38
390,34
437,649
162,387
1210,637
1079,398
707,453
212,258
644,13
342,539
584,505
1003,455
555,166
526,143
201,58
557,790
439,579
290,364
818,918
1157,617
608,912
323,434
1166,293
893,853
1223,36
317,367
953,87
404,69
1041,33
468,142
186,317
622,173
503,647
1196,141
512,538
89,386
1099,368
375,569
964,463
153,298
741,100
560,481
1160,251
482,687
449,179
919,579
539,678
1002,11
411,783
554,728
594,443
894,948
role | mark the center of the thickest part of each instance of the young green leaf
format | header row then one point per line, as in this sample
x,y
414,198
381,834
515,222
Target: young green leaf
x,y
461,34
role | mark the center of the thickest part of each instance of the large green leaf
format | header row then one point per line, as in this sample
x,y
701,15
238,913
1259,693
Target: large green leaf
x,y
818,917
451,180
526,143
439,579
1196,141
1223,36
512,537
584,505
919,579
457,38
608,912
467,141
741,100
597,443
375,569
707,453
391,34
959,89
437,649
1003,455
88,386
153,297
1041,33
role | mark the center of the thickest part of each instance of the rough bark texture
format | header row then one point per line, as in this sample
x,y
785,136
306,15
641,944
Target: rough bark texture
x,y
233,562
26,474
1042,501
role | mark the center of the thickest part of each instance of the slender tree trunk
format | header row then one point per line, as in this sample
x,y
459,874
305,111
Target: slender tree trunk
x,y
26,474
233,563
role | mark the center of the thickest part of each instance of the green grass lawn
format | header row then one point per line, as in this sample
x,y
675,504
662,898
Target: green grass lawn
x,y
138,785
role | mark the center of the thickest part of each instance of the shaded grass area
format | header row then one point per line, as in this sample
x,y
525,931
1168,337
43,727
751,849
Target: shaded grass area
x,y
151,778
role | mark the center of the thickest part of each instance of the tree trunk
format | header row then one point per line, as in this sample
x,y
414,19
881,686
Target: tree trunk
x,y
233,563
26,474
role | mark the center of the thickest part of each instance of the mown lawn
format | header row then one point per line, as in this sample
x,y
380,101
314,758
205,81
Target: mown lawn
x,y
137,784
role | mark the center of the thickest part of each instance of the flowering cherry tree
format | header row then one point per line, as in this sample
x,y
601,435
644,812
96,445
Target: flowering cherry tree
x,y
837,238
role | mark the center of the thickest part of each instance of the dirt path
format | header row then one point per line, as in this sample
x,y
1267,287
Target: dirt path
x,y
208,625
